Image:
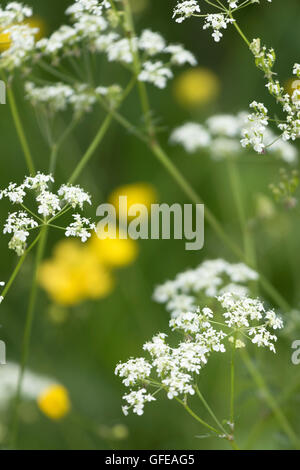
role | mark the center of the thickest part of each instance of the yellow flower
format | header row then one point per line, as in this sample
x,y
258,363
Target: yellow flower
x,y
137,193
74,274
4,41
196,87
34,22
54,402
114,252
291,85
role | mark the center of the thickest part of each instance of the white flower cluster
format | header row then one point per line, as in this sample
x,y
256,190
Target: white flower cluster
x,y
242,312
217,22
80,98
80,228
14,12
222,135
92,26
253,136
21,36
173,367
19,224
210,279
185,9
265,60
49,205
91,7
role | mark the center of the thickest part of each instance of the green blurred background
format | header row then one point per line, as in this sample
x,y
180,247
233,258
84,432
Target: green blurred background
x,y
82,351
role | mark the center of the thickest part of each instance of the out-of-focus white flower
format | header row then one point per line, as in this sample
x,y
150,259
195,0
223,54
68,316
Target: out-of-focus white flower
x,y
191,136
180,56
152,43
156,73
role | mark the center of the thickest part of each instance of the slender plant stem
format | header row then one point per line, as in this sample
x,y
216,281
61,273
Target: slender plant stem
x,y
90,151
232,381
258,379
249,248
18,267
27,333
197,418
212,414
20,131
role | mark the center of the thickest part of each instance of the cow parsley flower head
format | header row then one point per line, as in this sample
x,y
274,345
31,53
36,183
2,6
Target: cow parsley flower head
x,y
152,43
74,195
22,42
91,7
173,368
133,371
180,56
156,73
49,206
185,9
19,225
14,12
80,228
217,21
253,135
191,136
136,400
249,315
209,279
226,136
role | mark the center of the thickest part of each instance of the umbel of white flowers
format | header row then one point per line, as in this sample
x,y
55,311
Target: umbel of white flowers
x,y
95,27
255,133
215,21
221,136
50,206
174,369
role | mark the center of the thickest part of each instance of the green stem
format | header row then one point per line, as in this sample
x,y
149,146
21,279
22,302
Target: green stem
x,y
20,131
258,379
240,31
18,267
27,333
235,182
212,414
137,66
232,381
197,418
90,151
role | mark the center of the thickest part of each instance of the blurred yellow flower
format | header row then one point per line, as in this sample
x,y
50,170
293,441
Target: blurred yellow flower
x,y
196,87
291,85
4,41
114,252
34,22
137,193
74,274
54,402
